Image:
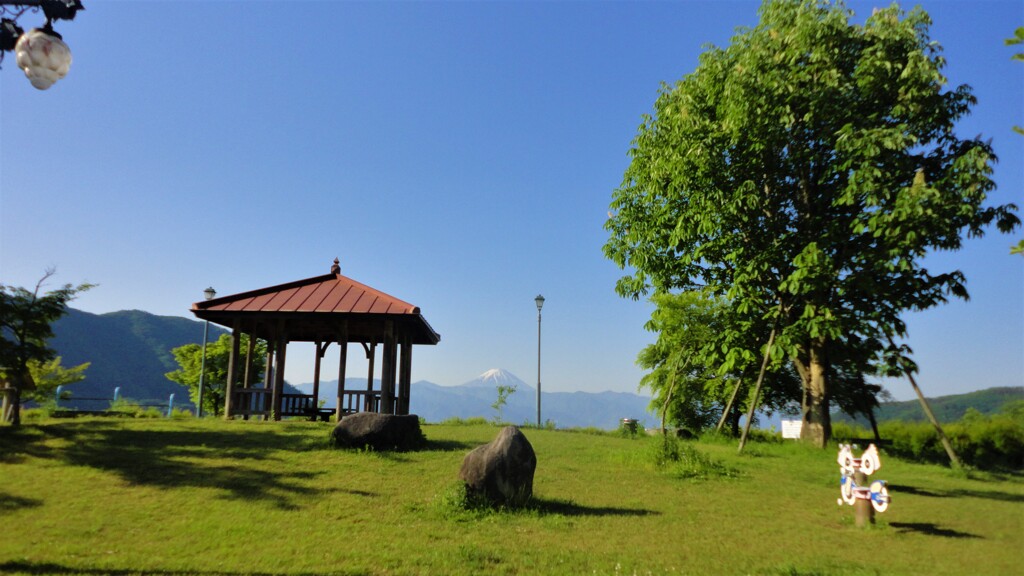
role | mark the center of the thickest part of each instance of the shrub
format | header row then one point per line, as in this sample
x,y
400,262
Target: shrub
x,y
985,442
457,502
683,460
456,421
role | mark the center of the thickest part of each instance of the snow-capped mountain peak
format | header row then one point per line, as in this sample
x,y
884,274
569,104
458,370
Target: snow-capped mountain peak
x,y
496,377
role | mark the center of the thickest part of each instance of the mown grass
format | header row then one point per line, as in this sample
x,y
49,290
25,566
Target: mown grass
x,y
108,496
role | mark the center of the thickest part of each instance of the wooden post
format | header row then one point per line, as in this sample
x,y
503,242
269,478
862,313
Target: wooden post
x,y
371,353
249,350
405,376
863,511
268,378
229,386
342,360
387,381
320,350
282,346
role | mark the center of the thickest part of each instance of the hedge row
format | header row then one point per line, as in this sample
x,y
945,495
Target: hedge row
x,y
985,442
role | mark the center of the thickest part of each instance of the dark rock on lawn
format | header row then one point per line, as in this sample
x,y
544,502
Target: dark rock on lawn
x,y
380,432
502,471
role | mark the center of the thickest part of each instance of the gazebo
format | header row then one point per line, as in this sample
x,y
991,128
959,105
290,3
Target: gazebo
x,y
324,309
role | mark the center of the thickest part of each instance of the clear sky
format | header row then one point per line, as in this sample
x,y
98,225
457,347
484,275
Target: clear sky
x,y
458,155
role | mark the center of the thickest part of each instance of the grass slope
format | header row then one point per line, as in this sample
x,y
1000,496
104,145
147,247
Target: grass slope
x,y
102,496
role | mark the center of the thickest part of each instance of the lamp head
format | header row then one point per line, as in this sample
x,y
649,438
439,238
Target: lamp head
x,y
209,293
540,302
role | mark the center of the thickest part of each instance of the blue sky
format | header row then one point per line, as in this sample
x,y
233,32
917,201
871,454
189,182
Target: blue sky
x,y
458,155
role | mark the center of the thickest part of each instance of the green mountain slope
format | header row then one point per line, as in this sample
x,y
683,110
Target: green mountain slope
x,y
129,349
946,408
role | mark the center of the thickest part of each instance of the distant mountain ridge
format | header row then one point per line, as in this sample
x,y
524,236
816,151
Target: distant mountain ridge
x,y
472,399
128,349
946,408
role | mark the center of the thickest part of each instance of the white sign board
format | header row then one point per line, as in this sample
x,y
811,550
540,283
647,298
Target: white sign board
x,y
791,428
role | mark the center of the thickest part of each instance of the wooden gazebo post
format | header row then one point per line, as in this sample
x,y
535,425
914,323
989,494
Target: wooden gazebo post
x,y
342,361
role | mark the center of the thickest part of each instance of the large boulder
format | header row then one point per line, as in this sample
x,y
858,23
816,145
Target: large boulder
x,y
502,471
380,432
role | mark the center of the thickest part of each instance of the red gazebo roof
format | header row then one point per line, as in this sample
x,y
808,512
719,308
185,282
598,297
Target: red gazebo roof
x,y
314,309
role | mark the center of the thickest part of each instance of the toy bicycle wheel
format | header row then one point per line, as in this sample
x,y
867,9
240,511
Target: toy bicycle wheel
x,y
879,496
846,489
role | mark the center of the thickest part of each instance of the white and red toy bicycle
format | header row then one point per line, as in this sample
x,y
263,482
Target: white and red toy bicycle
x,y
868,463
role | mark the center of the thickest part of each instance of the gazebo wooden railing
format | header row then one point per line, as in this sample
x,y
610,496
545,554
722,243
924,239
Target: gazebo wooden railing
x,y
258,402
359,401
251,401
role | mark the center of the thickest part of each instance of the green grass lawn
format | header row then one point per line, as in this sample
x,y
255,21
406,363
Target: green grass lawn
x,y
112,496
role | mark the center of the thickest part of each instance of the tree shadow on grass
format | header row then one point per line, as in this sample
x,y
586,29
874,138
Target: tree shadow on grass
x,y
958,493
570,508
915,491
53,568
448,445
10,503
930,529
179,458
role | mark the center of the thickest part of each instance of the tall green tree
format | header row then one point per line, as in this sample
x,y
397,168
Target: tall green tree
x,y
26,324
804,171
218,352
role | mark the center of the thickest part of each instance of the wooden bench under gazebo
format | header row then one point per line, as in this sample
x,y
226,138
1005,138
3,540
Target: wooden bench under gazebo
x,y
322,310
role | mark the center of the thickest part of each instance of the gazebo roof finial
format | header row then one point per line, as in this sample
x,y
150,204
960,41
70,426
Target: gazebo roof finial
x,y
336,268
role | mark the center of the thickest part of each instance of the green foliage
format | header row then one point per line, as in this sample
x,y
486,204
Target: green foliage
x,y
803,172
457,421
132,409
503,393
26,324
690,379
457,502
190,361
48,375
986,442
685,387
1018,38
683,460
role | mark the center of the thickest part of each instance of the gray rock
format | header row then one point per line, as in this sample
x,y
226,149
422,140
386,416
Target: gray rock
x,y
502,471
380,432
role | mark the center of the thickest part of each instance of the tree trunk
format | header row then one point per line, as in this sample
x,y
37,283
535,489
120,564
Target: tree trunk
x,y
757,391
953,459
817,424
728,407
874,425
12,406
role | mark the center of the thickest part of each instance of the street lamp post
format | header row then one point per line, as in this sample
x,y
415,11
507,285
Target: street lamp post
x,y
540,304
41,52
209,293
